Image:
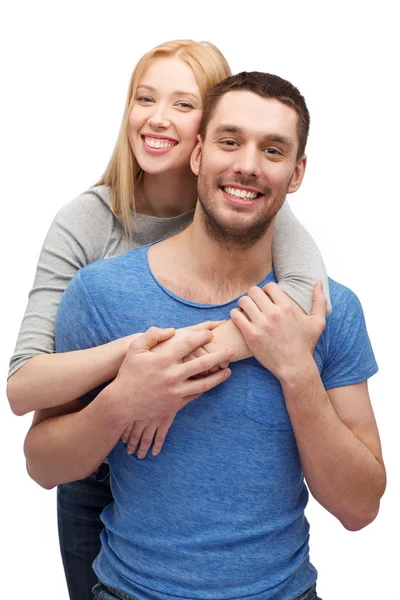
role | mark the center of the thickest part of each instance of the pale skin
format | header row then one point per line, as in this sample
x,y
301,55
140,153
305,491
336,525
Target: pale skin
x,y
168,188
335,430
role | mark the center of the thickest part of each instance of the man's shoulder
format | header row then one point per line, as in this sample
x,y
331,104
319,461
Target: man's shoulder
x,y
345,344
108,283
115,267
344,299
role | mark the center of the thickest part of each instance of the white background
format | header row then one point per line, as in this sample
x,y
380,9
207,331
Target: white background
x,y
64,77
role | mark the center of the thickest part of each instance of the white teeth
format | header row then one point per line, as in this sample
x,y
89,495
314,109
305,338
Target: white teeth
x,y
158,143
240,193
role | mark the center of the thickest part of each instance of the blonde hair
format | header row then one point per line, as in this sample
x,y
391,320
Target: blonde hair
x,y
123,172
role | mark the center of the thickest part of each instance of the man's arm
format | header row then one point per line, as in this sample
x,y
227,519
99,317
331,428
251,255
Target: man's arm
x,y
64,447
339,447
67,443
335,430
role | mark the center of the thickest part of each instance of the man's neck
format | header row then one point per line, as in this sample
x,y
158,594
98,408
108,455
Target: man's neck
x,y
198,268
167,194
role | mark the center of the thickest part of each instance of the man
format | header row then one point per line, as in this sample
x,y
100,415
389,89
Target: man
x,y
219,514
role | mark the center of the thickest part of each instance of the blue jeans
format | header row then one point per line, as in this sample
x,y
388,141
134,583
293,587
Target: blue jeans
x,y
79,506
101,592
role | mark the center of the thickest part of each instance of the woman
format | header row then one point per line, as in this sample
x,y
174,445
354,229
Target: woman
x,y
147,192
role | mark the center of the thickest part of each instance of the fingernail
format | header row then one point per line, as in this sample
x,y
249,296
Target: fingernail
x,y
229,352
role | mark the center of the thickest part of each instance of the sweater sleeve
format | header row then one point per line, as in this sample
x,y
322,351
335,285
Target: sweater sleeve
x,y
77,237
297,261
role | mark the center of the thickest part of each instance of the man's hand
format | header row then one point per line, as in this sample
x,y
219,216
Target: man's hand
x,y
200,351
280,335
140,435
154,385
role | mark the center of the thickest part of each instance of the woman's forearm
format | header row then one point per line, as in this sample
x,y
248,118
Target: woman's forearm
x,y
49,380
227,335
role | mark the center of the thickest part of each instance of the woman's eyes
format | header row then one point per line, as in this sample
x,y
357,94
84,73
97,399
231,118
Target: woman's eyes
x,y
184,105
148,100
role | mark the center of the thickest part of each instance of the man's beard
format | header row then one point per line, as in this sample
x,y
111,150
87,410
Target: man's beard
x,y
238,236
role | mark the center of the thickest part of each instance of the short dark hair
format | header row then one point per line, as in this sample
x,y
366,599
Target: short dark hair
x,y
267,86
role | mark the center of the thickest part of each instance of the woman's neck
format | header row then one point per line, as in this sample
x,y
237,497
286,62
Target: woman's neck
x,y
167,194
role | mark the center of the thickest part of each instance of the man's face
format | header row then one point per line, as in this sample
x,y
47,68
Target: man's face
x,y
246,165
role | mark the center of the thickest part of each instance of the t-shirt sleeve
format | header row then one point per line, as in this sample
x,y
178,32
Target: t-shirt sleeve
x,y
349,355
77,237
297,261
77,325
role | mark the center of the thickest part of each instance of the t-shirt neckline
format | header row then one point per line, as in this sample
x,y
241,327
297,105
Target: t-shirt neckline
x,y
270,276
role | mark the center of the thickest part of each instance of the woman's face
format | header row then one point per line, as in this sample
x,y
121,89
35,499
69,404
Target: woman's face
x,y
165,118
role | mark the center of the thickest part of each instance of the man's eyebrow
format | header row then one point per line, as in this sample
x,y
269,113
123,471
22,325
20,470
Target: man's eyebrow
x,y
275,138
228,129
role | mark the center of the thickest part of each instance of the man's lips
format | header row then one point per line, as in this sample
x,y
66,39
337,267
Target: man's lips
x,y
240,196
241,192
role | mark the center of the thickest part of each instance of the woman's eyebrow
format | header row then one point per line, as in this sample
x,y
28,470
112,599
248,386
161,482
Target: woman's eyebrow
x,y
150,88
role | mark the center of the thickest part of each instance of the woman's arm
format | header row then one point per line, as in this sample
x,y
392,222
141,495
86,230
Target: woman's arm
x,y
69,442
297,261
83,231
50,380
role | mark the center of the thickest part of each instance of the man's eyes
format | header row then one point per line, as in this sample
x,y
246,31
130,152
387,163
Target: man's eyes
x,y
229,143
272,151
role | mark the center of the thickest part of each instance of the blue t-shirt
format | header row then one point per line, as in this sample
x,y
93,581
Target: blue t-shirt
x,y
219,514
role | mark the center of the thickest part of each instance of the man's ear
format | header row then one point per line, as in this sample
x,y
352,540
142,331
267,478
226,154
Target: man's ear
x,y
298,175
195,158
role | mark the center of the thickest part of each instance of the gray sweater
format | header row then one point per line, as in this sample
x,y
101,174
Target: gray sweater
x,y
86,230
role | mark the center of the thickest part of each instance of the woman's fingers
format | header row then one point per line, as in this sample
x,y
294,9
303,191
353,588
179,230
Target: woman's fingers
x,y
206,363
193,388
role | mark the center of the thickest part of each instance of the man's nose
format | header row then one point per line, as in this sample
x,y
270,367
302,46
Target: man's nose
x,y
247,162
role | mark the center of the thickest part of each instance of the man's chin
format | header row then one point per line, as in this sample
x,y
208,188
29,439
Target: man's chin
x,y
236,235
